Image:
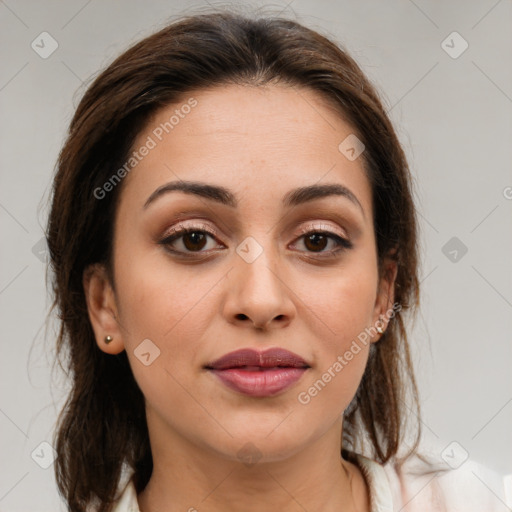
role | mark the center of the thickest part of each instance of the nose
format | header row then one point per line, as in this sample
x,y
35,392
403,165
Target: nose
x,y
257,295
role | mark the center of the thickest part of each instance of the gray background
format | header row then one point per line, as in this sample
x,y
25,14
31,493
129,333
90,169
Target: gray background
x,y
453,116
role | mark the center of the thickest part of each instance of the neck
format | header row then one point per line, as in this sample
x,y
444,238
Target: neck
x,y
188,478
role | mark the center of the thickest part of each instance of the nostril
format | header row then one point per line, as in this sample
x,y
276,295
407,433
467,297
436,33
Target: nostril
x,y
241,316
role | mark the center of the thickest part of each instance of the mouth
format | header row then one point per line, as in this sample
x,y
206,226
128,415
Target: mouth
x,y
259,374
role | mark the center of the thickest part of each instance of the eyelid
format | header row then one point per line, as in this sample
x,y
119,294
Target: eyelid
x,y
200,226
196,225
322,227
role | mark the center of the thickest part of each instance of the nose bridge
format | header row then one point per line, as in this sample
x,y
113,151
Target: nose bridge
x,y
258,265
256,290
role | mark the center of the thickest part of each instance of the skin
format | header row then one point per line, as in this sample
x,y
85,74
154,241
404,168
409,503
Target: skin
x,y
259,142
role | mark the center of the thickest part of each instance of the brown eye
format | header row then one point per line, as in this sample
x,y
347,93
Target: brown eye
x,y
194,240
316,242
187,241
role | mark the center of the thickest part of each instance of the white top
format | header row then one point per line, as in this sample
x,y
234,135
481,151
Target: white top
x,y
431,486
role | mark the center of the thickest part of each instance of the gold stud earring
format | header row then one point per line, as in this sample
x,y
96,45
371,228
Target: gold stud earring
x,y
108,339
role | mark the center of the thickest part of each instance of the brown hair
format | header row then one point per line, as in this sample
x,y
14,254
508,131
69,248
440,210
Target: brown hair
x,y
103,422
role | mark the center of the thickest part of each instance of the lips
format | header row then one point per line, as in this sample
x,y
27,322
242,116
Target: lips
x,y
259,374
273,357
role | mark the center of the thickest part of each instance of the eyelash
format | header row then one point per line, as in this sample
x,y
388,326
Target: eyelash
x,y
343,243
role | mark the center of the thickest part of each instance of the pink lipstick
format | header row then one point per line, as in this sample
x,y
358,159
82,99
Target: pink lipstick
x,y
259,374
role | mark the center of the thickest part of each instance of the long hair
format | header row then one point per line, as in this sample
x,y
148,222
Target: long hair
x,y
103,425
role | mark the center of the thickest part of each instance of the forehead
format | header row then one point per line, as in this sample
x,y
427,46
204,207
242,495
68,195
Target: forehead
x,y
260,141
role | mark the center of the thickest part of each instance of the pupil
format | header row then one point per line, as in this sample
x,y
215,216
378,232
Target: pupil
x,y
197,240
315,238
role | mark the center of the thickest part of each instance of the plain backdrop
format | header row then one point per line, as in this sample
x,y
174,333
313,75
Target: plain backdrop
x,y
452,108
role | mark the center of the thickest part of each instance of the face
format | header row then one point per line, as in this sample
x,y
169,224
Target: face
x,y
262,267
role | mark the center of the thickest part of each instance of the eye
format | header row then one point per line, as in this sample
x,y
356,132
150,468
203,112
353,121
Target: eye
x,y
192,239
318,240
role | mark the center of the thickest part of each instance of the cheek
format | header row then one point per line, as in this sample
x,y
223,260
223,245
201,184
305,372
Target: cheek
x,y
172,306
159,304
156,296
343,308
343,302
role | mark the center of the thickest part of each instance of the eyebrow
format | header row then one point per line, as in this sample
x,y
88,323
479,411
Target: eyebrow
x,y
224,196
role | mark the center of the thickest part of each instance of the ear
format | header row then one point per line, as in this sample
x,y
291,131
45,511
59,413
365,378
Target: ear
x,y
102,308
385,295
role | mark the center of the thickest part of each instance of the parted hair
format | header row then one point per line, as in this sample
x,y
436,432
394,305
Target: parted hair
x,y
102,425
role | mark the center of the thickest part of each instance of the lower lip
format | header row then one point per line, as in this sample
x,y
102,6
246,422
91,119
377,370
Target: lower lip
x,y
259,383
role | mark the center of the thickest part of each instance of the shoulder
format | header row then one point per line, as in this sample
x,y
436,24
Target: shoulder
x,y
440,482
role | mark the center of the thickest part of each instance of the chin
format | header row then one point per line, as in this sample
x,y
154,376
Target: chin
x,y
260,444
254,452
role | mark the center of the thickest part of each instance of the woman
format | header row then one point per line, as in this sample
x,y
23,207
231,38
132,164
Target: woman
x,y
233,240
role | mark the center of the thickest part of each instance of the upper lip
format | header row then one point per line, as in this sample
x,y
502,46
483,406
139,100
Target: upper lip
x,y
269,358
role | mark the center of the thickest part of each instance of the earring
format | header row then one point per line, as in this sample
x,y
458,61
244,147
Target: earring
x,y
108,339
380,330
